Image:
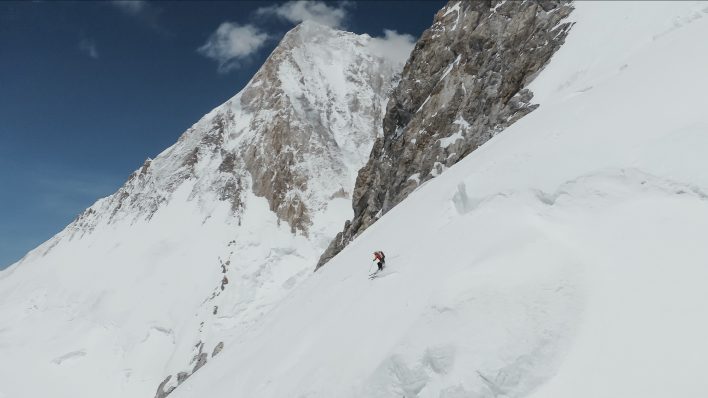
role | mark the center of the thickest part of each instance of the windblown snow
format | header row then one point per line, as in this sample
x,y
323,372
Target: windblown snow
x,y
563,258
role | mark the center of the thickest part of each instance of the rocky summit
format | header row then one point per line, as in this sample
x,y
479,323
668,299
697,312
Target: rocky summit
x,y
295,135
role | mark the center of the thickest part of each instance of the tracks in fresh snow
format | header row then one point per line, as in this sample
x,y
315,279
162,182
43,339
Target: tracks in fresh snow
x,y
607,185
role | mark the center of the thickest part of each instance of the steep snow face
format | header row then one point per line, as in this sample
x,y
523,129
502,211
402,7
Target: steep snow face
x,y
147,284
563,258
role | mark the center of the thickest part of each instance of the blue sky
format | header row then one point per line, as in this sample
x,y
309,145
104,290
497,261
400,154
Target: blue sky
x,y
88,91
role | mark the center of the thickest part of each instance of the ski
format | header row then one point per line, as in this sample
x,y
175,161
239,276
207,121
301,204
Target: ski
x,y
376,275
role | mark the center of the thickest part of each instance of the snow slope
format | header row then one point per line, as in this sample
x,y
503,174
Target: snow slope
x,y
149,283
564,258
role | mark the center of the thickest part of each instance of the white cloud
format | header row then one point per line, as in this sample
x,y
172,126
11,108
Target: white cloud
x,y
394,46
303,10
232,43
88,47
132,7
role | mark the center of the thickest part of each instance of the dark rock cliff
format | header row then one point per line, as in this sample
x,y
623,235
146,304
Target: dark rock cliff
x,y
463,83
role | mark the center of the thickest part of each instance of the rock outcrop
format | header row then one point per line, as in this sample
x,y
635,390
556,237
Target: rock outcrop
x,y
463,83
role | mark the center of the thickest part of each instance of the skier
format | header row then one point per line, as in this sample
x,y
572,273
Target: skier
x,y
380,259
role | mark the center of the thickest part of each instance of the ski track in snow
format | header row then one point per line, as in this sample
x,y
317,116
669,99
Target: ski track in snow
x,y
607,185
69,356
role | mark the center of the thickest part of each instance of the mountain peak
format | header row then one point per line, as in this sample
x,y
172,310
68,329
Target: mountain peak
x,y
308,33
295,135
314,26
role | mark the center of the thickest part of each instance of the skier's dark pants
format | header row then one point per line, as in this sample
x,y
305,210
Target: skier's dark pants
x,y
381,265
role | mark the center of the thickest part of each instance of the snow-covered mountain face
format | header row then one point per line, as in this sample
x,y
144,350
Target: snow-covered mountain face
x,y
464,82
145,286
565,257
296,135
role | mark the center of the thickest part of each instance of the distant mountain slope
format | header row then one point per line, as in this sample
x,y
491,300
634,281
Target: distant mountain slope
x,y
143,288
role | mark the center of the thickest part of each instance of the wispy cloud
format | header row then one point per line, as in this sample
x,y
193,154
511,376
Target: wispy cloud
x,y
73,191
88,47
131,7
44,198
143,11
232,43
394,46
302,10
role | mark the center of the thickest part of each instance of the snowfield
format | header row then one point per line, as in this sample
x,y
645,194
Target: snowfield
x,y
566,257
